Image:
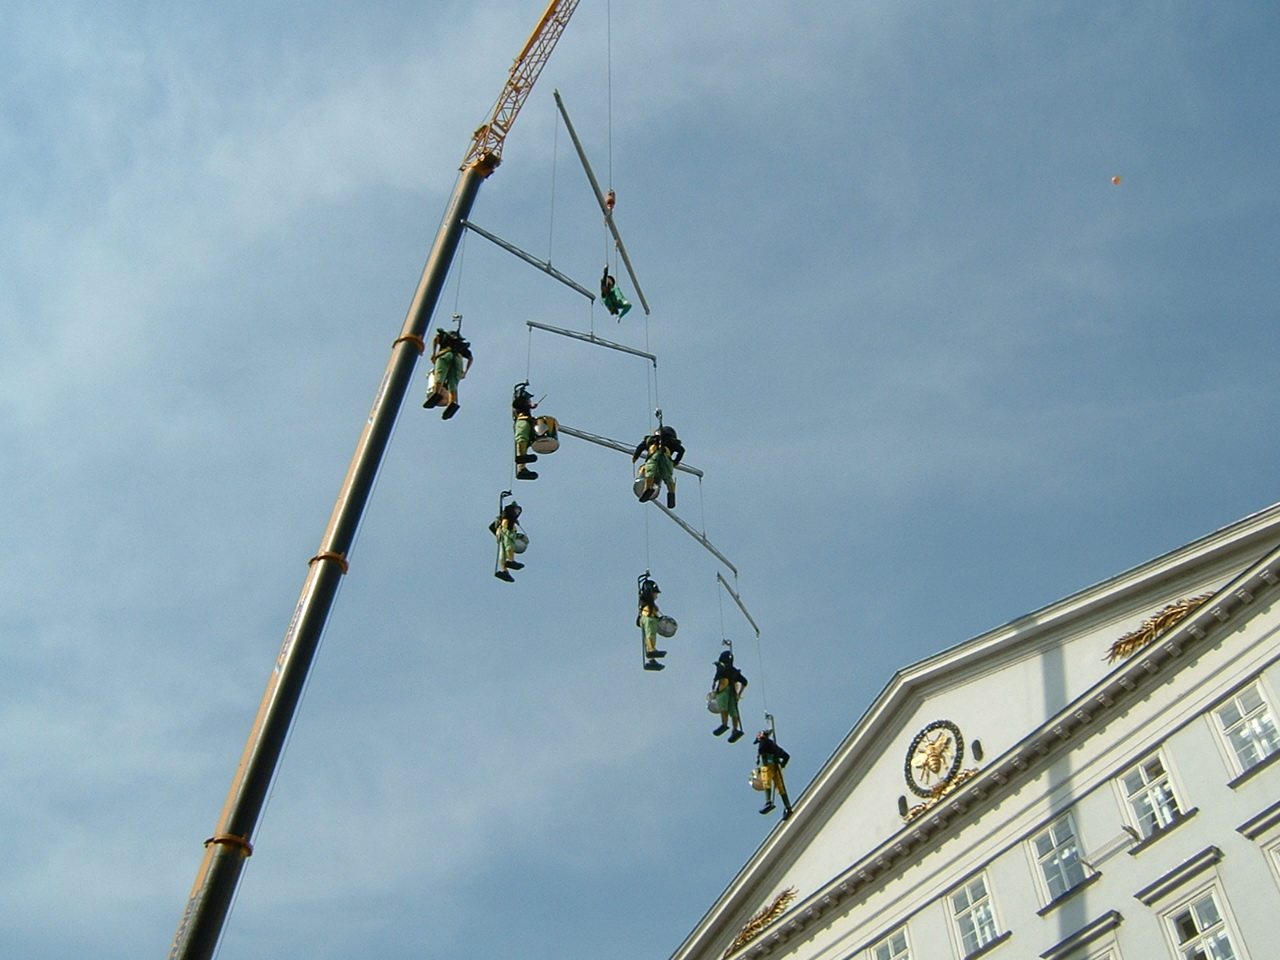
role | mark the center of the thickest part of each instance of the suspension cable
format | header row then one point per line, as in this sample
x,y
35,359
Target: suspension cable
x,y
551,227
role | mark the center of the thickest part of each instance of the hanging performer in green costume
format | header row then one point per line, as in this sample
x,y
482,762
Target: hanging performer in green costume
x,y
662,450
611,295
506,530
728,685
770,759
450,359
522,407
647,620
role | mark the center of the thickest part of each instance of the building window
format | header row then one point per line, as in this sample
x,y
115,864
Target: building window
x,y
1058,855
1248,726
974,918
1272,853
1199,930
892,947
1149,796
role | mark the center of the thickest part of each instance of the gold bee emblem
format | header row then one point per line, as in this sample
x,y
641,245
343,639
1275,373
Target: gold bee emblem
x,y
934,757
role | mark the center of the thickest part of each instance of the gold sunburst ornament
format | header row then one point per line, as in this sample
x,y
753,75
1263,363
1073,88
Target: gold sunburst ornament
x,y
757,924
1152,627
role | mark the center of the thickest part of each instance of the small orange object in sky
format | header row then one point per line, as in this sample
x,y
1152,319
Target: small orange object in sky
x,y
1115,180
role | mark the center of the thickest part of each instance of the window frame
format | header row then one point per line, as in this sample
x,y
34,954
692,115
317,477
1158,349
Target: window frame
x,y
1043,885
996,936
1131,816
886,941
1187,903
1271,852
1222,730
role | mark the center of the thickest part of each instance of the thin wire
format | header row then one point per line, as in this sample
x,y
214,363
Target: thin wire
x,y
457,284
609,57
702,507
528,357
651,394
648,563
551,227
609,125
720,601
764,696
657,397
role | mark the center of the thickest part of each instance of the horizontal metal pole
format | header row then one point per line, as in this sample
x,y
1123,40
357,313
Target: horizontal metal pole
x,y
710,547
615,445
544,266
738,600
604,207
592,338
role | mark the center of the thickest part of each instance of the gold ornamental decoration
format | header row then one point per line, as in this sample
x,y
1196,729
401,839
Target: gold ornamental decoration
x,y
938,793
933,758
757,924
1152,627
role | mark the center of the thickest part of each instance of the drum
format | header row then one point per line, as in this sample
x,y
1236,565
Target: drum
x,y
544,436
761,778
713,703
667,626
521,543
638,487
546,439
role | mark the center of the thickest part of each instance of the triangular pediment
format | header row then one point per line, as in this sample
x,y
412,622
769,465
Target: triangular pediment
x,y
951,731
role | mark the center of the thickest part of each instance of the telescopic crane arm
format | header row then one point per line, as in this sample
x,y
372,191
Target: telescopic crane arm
x,y
232,842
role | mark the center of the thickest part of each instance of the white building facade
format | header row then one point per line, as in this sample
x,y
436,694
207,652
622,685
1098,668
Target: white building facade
x,y
1022,795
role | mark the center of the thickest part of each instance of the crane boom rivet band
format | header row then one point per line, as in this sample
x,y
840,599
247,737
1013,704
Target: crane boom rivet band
x,y
337,558
413,338
231,840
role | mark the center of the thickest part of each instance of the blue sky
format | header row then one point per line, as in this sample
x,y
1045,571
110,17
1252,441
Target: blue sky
x,y
939,371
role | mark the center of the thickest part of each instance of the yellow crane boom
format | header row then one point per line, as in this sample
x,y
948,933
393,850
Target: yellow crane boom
x,y
486,145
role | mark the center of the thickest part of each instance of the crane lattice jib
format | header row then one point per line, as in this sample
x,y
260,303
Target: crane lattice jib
x,y
486,147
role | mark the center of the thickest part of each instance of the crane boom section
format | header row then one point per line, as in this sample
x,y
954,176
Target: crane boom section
x,y
486,146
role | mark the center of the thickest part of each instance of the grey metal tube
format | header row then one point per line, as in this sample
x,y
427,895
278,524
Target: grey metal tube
x,y
225,853
592,338
738,600
544,266
615,445
701,538
604,206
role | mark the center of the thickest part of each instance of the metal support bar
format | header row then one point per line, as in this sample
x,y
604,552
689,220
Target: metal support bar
x,y
699,537
738,600
615,445
592,338
529,258
219,874
604,207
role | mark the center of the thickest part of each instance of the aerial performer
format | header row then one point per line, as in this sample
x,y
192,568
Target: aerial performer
x,y
728,686
511,540
770,759
661,450
649,620
522,407
611,294
450,361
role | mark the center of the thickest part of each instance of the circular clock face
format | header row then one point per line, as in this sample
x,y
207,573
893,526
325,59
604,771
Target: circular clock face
x,y
933,758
